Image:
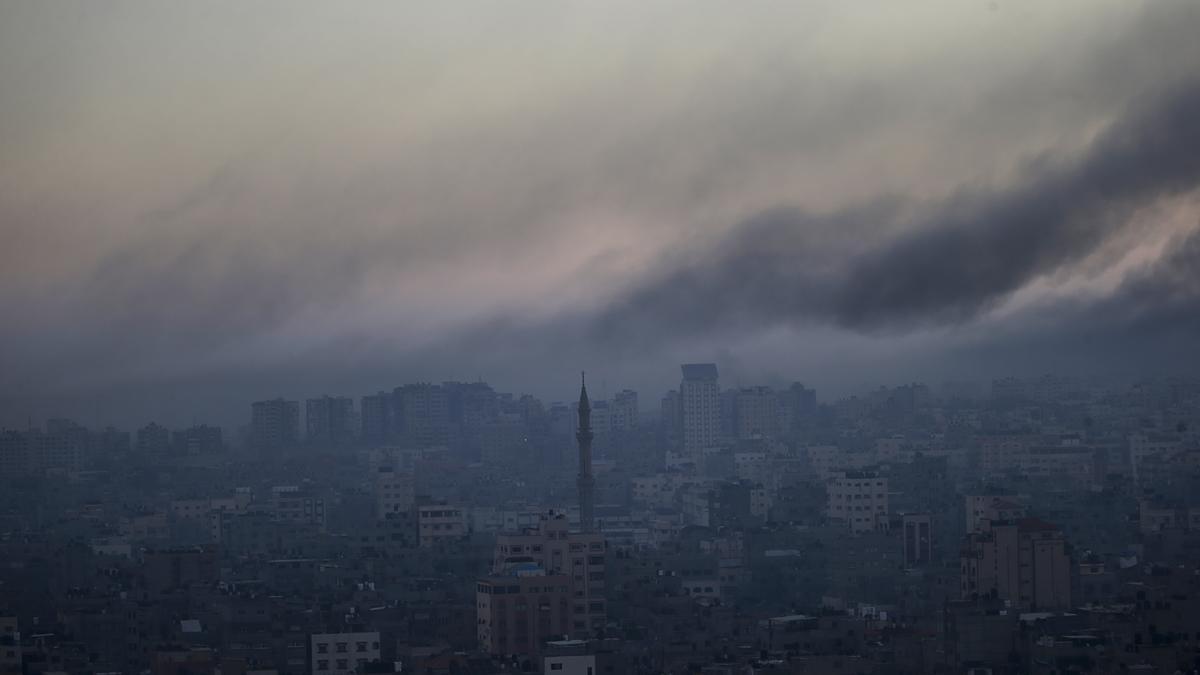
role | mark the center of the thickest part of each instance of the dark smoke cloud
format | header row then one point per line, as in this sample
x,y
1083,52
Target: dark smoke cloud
x,y
948,264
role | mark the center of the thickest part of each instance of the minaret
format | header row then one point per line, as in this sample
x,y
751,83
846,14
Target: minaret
x,y
587,484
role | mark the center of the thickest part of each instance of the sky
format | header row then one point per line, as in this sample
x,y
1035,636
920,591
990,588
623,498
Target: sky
x,y
206,204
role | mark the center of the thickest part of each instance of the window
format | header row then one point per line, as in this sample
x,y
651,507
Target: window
x,y
341,664
360,646
556,666
341,647
322,648
323,664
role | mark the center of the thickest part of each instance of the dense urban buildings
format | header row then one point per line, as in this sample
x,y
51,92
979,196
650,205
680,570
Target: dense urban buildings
x,y
274,424
889,313
1044,525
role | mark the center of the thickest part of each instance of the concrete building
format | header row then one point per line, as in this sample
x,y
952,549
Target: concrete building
x,y
755,413
294,504
438,523
274,424
329,419
154,440
1022,561
167,570
394,492
339,653
60,447
1143,446
983,508
376,417
518,612
10,646
623,411
918,539
700,406
672,418
578,555
858,500
581,657
200,439
14,453
422,413
1072,464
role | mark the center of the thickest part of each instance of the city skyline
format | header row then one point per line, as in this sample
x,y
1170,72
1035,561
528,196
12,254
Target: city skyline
x,y
309,199
557,337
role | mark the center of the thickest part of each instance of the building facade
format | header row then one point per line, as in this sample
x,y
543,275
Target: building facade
x,y
274,424
700,407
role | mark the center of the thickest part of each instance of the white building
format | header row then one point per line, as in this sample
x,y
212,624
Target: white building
x,y
336,653
859,500
394,492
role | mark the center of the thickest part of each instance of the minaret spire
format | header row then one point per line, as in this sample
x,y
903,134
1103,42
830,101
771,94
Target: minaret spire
x,y
585,482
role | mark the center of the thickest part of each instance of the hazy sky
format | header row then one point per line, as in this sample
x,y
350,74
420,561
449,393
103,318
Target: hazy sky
x,y
207,203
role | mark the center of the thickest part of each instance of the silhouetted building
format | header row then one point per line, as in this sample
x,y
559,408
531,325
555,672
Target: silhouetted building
x,y
699,395
521,610
623,411
329,419
423,414
153,439
755,412
198,440
1023,561
918,539
552,547
274,424
672,417
376,412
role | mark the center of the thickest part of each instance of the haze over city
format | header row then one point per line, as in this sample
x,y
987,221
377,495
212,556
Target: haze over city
x,y
207,199
576,338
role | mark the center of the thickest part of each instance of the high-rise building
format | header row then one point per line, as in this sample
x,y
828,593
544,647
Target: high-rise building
x,y
755,413
376,410
200,439
918,539
699,395
586,482
519,611
274,424
623,411
672,417
423,413
555,550
153,439
109,442
329,419
1023,561
14,453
